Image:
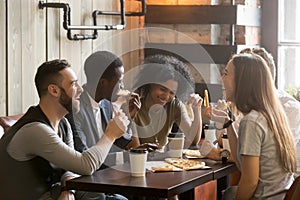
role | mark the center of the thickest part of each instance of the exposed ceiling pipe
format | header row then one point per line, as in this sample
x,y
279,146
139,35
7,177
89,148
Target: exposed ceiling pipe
x,y
67,19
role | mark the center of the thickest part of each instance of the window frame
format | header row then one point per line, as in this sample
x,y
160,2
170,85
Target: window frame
x,y
270,34
269,23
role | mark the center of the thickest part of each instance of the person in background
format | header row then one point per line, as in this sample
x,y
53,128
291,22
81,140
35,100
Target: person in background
x,y
164,83
290,105
37,153
263,147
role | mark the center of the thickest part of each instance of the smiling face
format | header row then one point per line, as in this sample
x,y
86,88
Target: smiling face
x,y
228,81
116,83
108,87
70,91
162,93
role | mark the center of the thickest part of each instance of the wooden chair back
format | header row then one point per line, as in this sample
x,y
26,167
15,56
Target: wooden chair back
x,y
294,192
7,121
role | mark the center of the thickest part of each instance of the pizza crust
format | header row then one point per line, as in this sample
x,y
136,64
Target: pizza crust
x,y
206,99
185,164
165,168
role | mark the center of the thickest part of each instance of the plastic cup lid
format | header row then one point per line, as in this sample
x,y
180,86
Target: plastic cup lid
x,y
176,135
138,150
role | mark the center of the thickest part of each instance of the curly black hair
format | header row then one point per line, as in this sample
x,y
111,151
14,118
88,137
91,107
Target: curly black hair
x,y
160,68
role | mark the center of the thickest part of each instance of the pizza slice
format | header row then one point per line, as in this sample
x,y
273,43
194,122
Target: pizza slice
x,y
161,166
185,164
193,153
165,168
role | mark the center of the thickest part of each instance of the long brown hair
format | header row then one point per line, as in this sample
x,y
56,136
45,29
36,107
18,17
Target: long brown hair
x,y
255,90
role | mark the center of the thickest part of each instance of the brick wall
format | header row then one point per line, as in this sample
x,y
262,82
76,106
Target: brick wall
x,y
204,34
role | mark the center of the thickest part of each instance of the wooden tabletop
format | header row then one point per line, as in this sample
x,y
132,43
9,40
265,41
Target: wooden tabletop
x,y
161,184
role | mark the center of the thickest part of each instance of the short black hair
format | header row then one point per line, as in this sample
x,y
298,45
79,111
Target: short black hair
x,y
101,64
48,73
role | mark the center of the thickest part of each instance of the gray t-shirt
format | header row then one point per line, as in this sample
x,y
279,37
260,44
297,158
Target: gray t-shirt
x,y
256,139
41,140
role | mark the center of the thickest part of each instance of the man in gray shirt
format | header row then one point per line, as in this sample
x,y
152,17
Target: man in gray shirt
x,y
37,154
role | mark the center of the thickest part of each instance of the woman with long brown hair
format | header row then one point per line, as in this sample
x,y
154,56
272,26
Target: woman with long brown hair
x,y
263,147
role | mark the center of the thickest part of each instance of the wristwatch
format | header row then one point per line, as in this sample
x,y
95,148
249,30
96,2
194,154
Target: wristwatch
x,y
225,155
227,124
231,120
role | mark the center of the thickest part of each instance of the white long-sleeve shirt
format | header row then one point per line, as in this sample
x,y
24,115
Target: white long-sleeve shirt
x,y
292,110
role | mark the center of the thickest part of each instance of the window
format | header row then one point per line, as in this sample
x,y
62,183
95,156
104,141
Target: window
x,y
288,43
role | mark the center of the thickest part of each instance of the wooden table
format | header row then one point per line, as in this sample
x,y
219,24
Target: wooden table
x,y
160,184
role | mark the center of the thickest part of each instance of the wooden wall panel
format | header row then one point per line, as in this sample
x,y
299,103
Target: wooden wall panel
x,y
87,45
37,35
70,49
116,45
3,57
14,57
33,49
131,38
53,33
102,42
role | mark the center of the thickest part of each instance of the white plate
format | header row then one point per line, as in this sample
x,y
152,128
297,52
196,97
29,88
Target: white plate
x,y
155,164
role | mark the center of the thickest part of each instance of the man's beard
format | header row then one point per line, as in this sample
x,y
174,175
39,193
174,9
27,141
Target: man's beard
x,y
66,102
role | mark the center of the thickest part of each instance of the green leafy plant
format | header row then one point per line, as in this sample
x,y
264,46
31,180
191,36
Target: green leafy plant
x,y
294,91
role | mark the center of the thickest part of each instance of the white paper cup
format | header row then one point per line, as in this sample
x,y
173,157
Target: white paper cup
x,y
210,135
138,159
175,145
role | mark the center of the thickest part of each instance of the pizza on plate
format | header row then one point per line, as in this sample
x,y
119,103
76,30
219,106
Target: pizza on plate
x,y
165,168
193,153
185,164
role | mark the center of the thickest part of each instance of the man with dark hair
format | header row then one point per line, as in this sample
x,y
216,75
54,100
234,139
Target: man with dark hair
x,y
37,152
104,72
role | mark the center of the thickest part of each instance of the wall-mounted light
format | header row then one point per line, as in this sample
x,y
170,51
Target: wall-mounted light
x,y
67,19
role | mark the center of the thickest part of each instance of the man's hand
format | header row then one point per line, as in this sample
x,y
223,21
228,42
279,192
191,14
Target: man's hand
x,y
117,126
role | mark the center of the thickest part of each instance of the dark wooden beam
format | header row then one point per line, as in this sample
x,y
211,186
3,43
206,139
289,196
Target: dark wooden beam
x,y
269,31
193,53
204,14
